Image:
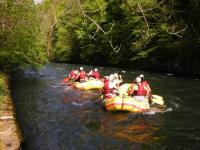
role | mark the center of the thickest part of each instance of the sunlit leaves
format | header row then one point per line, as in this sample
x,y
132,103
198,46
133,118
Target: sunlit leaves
x,y
19,32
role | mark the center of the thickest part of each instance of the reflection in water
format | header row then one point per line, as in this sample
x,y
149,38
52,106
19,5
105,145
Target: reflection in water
x,y
128,127
58,117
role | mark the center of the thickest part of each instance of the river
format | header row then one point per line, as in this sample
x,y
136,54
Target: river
x,y
55,117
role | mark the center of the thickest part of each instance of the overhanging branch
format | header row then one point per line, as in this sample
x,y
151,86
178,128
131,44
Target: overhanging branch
x,y
116,48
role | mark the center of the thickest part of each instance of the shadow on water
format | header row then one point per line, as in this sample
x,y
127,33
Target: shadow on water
x,y
55,117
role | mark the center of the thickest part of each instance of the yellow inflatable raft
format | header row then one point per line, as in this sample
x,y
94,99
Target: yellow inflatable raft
x,y
126,104
90,85
130,104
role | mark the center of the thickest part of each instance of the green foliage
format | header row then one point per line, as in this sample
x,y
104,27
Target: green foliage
x,y
123,26
102,32
19,32
125,32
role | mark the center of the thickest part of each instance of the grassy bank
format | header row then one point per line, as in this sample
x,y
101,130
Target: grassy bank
x,y
10,135
2,88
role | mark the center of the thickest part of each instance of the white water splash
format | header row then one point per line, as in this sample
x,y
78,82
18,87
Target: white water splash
x,y
123,71
155,111
55,86
80,104
175,105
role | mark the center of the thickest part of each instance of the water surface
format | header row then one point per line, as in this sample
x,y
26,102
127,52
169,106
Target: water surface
x,y
55,117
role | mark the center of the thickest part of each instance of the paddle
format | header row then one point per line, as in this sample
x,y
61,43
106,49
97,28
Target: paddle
x,y
157,99
65,80
123,96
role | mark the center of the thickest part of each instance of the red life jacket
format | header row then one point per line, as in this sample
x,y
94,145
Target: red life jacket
x,y
141,91
82,75
95,74
72,74
106,89
144,83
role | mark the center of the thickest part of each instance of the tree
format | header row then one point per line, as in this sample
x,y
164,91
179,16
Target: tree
x,y
126,32
18,34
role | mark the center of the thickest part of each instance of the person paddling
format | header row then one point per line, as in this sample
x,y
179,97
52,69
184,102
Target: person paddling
x,y
108,88
73,74
94,74
81,77
139,91
117,80
146,84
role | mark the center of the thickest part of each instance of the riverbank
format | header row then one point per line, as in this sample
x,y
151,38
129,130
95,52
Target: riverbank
x,y
10,136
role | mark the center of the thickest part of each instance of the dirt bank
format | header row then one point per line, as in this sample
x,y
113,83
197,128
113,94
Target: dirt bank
x,y
10,136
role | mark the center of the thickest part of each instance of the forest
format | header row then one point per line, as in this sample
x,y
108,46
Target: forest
x,y
161,35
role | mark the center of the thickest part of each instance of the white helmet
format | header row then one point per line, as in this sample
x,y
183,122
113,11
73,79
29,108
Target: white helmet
x,y
81,68
138,80
141,76
95,69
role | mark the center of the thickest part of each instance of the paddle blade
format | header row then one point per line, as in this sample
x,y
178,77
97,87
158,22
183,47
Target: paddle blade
x,y
157,99
65,80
